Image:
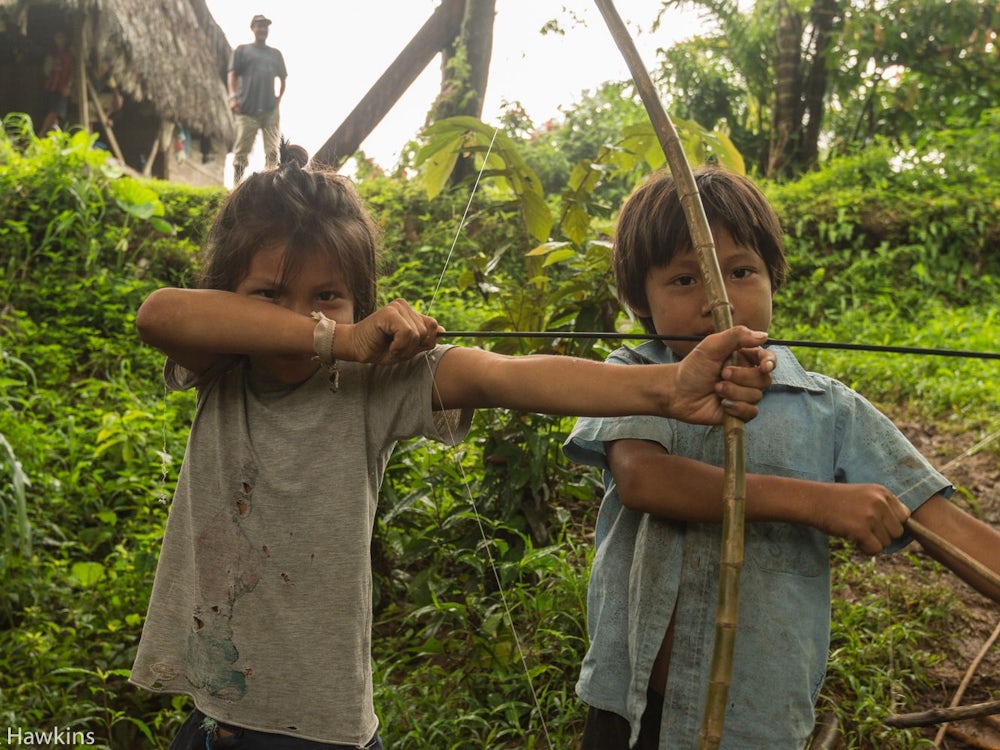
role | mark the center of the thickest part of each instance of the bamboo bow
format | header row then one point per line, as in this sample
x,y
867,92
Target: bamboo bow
x,y
734,485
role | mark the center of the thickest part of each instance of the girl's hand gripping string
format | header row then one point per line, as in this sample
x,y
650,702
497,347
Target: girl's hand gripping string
x,y
394,333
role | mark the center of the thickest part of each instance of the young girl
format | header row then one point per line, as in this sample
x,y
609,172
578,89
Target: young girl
x,y
261,607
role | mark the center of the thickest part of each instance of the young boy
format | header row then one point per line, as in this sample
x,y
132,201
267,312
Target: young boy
x,y
821,462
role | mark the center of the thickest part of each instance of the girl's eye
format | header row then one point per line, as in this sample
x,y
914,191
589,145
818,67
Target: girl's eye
x,y
743,273
267,293
327,296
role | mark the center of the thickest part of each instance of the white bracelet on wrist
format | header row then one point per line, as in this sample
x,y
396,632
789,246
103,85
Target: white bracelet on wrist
x,y
323,336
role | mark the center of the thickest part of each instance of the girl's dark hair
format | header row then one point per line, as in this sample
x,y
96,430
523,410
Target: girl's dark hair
x,y
303,209
652,228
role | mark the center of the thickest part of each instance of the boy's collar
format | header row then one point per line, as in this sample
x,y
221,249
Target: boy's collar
x,y
788,373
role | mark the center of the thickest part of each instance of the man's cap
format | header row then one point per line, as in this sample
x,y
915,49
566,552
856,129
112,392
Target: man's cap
x,y
260,19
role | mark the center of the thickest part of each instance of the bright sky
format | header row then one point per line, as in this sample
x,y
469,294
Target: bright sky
x,y
336,49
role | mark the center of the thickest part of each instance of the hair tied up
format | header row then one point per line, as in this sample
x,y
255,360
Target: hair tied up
x,y
291,155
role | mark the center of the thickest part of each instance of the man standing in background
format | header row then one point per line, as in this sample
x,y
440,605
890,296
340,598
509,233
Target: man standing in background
x,y
252,70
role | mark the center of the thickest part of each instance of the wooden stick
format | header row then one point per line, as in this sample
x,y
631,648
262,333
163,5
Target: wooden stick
x,y
935,541
147,169
105,122
956,699
941,715
734,482
827,733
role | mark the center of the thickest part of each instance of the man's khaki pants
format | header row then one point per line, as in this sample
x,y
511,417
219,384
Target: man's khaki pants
x,y
246,132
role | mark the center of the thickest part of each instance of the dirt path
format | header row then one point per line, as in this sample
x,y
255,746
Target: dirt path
x,y
976,474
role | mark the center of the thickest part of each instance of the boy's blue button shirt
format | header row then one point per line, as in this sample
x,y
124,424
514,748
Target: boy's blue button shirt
x,y
646,570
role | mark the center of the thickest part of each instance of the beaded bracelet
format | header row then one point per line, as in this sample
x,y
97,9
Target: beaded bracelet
x,y
323,335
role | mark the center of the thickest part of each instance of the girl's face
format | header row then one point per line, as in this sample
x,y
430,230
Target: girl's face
x,y
318,286
678,300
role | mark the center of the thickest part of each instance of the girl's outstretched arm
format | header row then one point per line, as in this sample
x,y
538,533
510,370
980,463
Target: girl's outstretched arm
x,y
700,389
195,327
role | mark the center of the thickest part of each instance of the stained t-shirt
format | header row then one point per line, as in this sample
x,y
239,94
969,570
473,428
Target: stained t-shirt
x,y
262,604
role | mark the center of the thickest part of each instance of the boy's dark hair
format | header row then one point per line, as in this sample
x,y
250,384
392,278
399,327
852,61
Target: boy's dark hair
x,y
652,228
304,210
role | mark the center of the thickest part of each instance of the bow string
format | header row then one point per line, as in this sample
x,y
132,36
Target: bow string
x,y
466,484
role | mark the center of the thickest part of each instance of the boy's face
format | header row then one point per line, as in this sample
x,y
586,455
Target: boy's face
x,y
318,286
678,300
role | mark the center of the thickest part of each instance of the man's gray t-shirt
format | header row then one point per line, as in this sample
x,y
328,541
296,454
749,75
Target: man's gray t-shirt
x,y
257,66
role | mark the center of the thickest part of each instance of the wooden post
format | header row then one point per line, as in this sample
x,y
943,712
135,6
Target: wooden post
x,y
147,168
105,123
81,75
443,26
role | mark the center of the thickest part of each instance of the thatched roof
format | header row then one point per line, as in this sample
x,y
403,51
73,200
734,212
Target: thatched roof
x,y
170,53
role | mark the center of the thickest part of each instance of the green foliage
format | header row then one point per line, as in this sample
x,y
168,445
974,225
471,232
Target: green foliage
x,y
905,70
949,387
474,651
887,232
443,255
860,71
633,156
716,90
84,444
450,138
600,117
481,551
885,640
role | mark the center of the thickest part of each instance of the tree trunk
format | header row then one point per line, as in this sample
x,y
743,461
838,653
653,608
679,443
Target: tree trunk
x,y
824,15
787,108
465,70
465,64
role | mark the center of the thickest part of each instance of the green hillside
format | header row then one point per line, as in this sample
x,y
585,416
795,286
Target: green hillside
x,y
885,247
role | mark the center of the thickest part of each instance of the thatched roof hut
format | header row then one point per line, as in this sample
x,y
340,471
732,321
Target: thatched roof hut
x,y
168,58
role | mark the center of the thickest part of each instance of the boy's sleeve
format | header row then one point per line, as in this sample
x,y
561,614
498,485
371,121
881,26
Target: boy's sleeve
x,y
585,445
871,449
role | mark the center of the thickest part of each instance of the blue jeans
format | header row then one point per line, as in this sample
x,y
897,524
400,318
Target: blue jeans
x,y
194,736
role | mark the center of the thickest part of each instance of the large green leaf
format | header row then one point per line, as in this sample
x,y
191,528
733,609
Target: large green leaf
x,y
446,140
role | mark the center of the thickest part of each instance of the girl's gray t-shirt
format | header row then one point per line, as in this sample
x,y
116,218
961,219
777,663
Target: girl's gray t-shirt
x,y
262,604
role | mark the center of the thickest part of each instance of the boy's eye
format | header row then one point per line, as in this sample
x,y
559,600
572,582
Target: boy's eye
x,y
267,293
685,280
744,273
328,296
